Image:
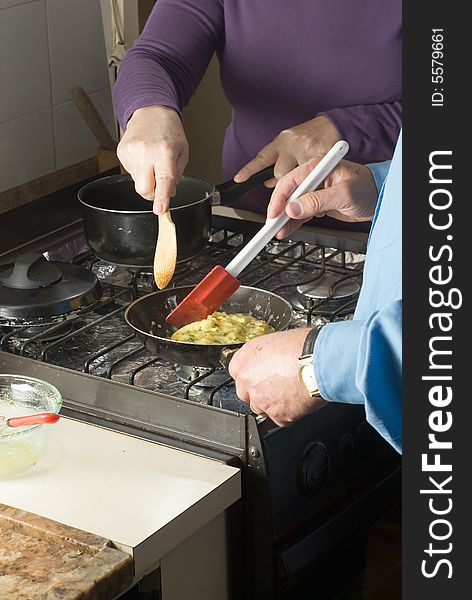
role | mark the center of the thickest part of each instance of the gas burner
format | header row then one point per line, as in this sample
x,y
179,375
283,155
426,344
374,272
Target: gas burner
x,y
328,287
326,295
291,250
233,240
34,289
140,277
144,281
209,377
345,259
109,272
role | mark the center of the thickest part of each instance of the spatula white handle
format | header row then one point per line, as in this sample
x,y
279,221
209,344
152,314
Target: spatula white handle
x,y
272,226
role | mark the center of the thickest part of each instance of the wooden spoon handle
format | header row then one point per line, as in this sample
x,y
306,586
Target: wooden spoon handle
x,y
93,118
165,256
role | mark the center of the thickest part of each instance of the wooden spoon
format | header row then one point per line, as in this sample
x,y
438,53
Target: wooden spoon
x,y
165,257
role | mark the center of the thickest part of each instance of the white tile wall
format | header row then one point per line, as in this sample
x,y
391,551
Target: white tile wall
x,y
24,60
70,126
47,48
77,47
26,149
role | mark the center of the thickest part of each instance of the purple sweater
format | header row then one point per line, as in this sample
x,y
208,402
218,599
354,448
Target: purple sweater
x,y
282,63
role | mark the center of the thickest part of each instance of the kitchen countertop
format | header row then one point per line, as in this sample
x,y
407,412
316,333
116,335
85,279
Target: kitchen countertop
x,y
144,497
40,558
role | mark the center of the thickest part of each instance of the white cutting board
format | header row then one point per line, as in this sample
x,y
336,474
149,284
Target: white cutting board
x,y
145,497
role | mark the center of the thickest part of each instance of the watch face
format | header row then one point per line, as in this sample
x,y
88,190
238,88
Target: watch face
x,y
307,377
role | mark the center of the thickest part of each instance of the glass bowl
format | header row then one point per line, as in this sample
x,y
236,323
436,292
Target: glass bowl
x,y
21,447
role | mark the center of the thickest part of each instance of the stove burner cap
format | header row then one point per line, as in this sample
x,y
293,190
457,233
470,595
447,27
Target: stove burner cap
x,y
326,287
71,287
30,272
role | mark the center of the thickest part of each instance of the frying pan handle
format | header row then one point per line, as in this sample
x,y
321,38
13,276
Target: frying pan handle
x,y
226,355
225,358
230,191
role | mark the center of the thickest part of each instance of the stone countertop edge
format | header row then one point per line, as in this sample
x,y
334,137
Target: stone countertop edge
x,y
104,572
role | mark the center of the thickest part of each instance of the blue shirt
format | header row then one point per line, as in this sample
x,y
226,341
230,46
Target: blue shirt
x,y
360,361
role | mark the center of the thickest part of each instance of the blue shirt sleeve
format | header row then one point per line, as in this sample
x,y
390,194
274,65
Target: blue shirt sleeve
x,y
370,370
379,173
359,361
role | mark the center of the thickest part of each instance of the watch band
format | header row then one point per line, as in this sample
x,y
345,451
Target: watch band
x,y
306,372
310,340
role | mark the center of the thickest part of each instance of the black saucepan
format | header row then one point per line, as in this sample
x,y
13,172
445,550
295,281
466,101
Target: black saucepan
x,y
147,316
121,228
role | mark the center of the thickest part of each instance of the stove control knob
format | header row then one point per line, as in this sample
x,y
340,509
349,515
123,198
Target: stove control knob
x,y
314,469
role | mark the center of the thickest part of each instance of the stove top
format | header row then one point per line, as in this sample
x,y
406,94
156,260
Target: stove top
x,y
321,284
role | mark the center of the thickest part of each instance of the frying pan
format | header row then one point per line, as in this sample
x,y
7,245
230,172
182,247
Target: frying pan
x,y
147,316
121,228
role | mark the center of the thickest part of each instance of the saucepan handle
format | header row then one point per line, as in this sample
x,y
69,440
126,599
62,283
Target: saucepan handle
x,y
230,191
225,358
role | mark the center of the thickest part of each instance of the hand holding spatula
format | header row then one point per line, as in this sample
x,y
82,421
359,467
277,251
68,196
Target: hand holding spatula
x,y
221,282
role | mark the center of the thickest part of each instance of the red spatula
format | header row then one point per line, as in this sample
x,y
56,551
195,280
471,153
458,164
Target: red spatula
x,y
220,283
34,419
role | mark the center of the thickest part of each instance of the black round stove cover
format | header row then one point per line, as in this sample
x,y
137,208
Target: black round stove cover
x,y
72,288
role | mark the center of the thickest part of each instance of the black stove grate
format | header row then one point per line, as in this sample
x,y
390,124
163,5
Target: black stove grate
x,y
281,268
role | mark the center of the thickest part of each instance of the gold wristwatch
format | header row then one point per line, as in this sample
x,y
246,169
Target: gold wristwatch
x,y
306,369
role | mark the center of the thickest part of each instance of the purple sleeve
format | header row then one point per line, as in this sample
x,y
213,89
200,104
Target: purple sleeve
x,y
168,60
371,130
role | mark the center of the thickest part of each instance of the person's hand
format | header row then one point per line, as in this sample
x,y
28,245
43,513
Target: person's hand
x,y
265,370
154,151
292,147
348,194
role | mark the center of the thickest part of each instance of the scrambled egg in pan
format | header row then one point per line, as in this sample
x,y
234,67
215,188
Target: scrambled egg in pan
x,y
222,328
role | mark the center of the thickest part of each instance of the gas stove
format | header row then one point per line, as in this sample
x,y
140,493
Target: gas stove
x,y
321,284
305,488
